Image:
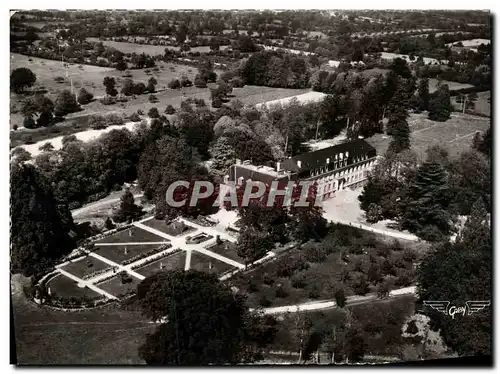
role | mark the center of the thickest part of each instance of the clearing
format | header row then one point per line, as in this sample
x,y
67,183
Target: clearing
x,y
455,134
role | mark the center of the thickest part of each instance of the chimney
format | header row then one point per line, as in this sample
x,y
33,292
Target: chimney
x,y
299,164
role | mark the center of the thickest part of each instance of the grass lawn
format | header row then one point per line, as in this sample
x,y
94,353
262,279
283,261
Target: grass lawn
x,y
455,134
115,286
81,268
174,228
481,106
117,253
106,335
64,287
171,262
132,235
207,264
226,249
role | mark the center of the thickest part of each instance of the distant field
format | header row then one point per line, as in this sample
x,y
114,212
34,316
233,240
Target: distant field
x,y
433,82
427,60
152,50
455,134
481,106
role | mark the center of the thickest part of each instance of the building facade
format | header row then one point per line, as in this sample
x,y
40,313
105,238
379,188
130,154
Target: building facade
x,y
334,168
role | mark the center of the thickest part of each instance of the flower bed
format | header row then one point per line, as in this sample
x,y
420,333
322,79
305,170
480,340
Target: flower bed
x,y
99,272
147,254
154,258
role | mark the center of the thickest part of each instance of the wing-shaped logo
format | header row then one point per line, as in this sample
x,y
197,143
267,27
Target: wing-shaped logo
x,y
476,306
440,306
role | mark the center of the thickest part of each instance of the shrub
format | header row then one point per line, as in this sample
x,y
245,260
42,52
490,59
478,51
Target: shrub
x,y
153,113
15,127
252,286
134,117
264,301
185,82
281,292
237,82
139,88
298,280
314,254
200,82
216,102
114,119
84,97
153,99
29,122
174,84
170,109
59,79
28,139
314,293
97,122
412,328
108,100
267,279
200,103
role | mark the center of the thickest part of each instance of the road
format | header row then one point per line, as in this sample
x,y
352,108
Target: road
x,y
327,304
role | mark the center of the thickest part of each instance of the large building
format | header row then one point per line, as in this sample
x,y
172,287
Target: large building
x,y
333,168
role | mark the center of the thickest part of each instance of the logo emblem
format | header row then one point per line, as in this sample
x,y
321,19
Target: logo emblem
x,y
470,307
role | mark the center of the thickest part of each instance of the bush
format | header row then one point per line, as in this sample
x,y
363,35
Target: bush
x,y
281,292
174,84
114,119
314,254
298,280
217,102
412,328
314,293
153,113
15,127
200,82
134,117
108,100
185,82
59,79
84,97
264,301
252,286
28,139
97,122
200,103
170,109
153,99
29,123
237,82
267,279
139,88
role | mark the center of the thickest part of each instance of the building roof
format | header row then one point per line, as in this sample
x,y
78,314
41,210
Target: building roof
x,y
316,159
256,173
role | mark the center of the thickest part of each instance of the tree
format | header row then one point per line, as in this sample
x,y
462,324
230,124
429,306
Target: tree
x,y
197,305
151,84
65,104
428,199
253,245
110,83
84,97
199,81
109,224
340,298
170,109
423,94
139,88
440,107
128,210
153,113
185,82
484,145
20,79
40,226
476,231
400,131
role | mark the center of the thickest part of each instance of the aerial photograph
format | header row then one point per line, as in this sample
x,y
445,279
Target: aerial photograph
x,y
257,187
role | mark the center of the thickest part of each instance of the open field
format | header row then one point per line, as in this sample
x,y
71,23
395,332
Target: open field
x,y
433,84
121,253
471,43
115,286
81,268
427,60
174,229
170,262
133,234
425,133
481,106
207,264
64,287
107,335
152,50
